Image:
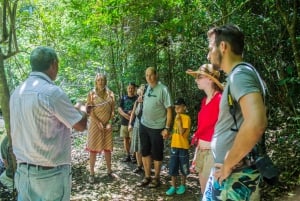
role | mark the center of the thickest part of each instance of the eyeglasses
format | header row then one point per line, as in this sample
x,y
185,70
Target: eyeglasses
x,y
150,93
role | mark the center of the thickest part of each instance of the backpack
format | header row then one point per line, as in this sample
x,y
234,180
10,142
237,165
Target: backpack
x,y
258,156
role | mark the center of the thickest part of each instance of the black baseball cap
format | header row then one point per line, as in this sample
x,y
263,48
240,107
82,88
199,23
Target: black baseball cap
x,y
180,101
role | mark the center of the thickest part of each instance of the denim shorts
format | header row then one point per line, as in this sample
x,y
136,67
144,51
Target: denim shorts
x,y
179,160
38,183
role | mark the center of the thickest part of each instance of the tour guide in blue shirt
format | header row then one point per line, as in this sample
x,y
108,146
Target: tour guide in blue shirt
x,y
154,127
41,118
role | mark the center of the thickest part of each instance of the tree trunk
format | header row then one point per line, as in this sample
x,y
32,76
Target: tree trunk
x,y
4,100
290,21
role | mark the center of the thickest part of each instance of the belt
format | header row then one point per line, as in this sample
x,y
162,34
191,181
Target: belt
x,y
36,166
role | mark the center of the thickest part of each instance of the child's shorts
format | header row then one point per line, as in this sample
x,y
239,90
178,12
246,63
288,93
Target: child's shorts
x,y
179,160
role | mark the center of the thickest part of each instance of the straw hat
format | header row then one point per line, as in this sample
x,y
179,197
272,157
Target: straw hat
x,y
208,71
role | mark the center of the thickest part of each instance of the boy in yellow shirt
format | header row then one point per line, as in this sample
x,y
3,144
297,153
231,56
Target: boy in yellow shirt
x,y
179,148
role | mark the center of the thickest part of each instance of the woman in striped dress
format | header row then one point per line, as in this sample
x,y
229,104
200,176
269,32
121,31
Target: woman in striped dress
x,y
100,107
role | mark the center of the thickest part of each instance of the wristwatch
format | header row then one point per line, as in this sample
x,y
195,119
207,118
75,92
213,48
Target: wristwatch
x,y
168,129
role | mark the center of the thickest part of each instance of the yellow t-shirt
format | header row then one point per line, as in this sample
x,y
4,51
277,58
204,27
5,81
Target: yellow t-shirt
x,y
181,140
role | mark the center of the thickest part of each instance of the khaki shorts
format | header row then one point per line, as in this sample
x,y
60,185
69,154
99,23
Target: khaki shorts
x,y
124,132
204,162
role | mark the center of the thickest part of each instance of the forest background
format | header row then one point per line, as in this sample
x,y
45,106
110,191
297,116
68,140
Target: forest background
x,y
123,37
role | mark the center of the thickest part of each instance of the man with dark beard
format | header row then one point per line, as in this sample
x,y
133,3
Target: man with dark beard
x,y
232,177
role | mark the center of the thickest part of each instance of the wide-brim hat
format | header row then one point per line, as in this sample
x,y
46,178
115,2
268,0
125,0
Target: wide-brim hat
x,y
208,71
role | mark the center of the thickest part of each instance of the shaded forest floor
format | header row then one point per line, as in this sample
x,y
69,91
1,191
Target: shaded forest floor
x,y
122,186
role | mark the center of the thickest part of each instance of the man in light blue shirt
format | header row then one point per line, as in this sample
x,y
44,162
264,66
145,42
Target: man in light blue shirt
x,y
154,127
41,118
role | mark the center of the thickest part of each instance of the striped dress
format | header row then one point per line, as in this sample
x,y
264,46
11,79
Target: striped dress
x,y
100,139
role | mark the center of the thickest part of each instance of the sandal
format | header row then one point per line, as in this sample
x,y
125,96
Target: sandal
x,y
138,169
155,183
144,182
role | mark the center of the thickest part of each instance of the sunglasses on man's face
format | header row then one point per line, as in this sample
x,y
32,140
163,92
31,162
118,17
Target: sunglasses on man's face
x,y
150,93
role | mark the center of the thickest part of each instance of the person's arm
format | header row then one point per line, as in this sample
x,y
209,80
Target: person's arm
x,y
121,111
250,132
169,117
178,121
109,125
132,116
123,114
81,125
89,104
166,130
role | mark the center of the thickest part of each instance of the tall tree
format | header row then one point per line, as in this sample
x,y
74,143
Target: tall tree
x,y
9,48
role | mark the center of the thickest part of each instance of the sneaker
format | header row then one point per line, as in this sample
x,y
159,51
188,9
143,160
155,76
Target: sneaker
x,y
171,191
126,159
144,182
92,179
155,183
180,190
138,169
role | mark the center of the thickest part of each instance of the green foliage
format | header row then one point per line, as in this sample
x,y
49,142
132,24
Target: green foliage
x,y
283,145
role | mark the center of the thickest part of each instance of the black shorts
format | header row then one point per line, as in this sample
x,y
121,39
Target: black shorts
x,y
152,142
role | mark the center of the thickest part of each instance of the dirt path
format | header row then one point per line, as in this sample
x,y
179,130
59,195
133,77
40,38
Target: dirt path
x,y
123,184
294,196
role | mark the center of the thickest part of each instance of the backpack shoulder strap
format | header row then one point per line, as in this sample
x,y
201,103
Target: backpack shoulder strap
x,y
232,103
232,109
261,81
146,86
